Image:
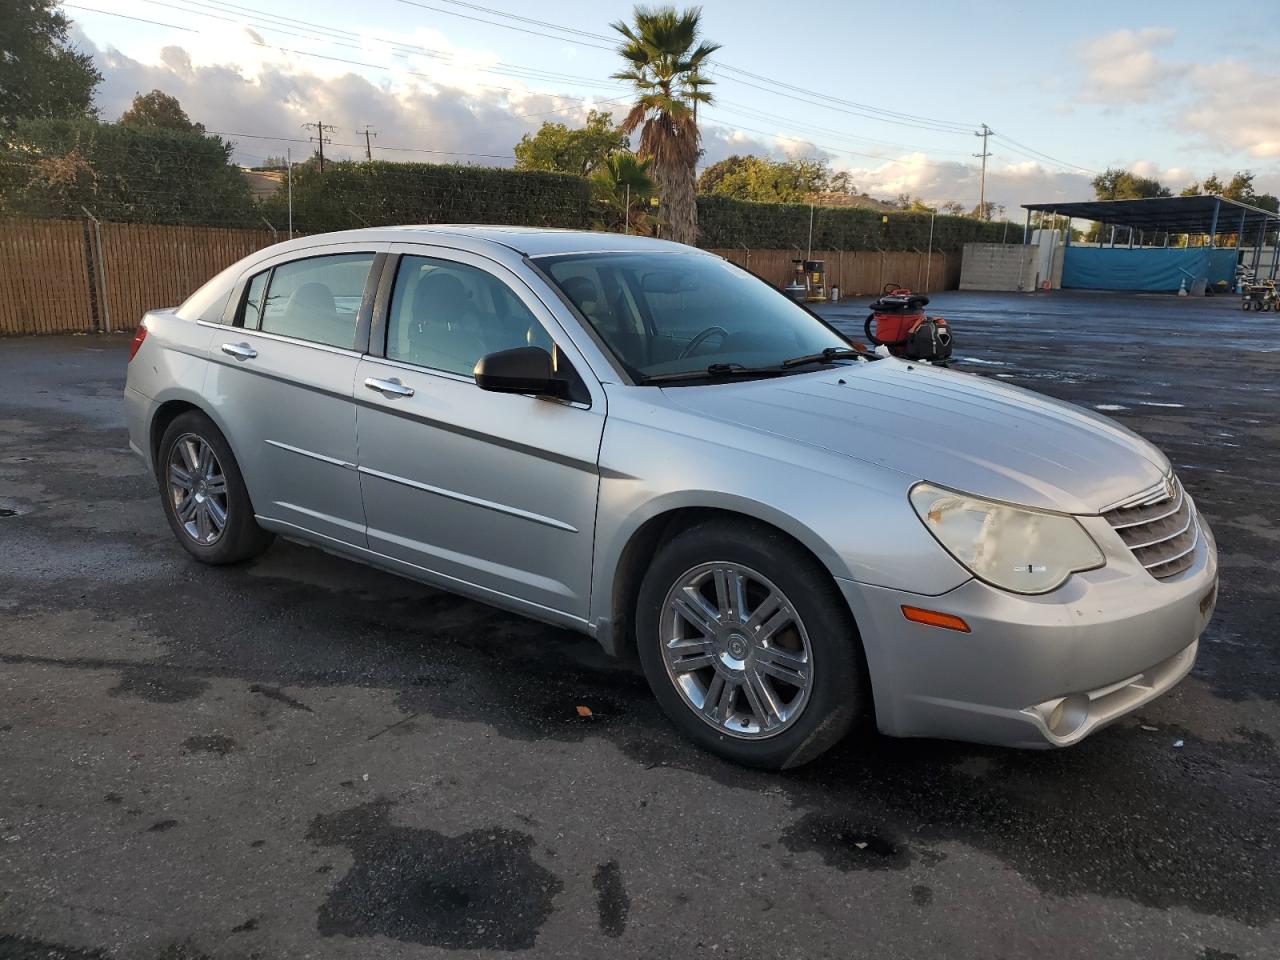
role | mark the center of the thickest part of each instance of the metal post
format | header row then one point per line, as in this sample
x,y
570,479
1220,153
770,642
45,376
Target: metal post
x,y
1113,236
1257,247
627,229
1213,225
1131,231
1275,253
288,154
810,255
102,269
1066,236
928,257
1026,230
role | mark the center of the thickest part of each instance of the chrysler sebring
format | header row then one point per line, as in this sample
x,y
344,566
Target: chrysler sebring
x,y
637,440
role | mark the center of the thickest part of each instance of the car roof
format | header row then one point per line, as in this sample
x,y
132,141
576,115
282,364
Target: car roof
x,y
529,241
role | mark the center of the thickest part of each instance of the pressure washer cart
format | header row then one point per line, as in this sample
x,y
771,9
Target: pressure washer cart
x,y
1259,296
897,320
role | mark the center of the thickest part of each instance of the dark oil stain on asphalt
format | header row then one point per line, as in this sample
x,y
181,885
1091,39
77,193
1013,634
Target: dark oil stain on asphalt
x,y
162,826
213,743
921,895
612,903
279,696
844,844
28,948
481,890
143,683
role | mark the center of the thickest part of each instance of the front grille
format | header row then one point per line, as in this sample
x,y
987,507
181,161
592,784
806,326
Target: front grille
x,y
1161,529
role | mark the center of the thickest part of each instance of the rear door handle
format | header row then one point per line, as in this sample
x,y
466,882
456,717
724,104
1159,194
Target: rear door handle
x,y
389,388
241,351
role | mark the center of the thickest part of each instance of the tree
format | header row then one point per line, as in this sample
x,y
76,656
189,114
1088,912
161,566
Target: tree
x,y
665,59
621,187
764,180
158,109
953,207
1119,184
557,148
41,75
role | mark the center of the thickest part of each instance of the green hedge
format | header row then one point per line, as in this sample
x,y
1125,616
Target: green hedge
x,y
725,222
52,168
351,194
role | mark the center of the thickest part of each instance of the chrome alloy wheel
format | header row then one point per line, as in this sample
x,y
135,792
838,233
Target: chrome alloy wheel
x,y
198,489
736,650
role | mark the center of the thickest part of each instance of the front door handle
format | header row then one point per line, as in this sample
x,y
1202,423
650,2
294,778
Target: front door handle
x,y
389,388
241,351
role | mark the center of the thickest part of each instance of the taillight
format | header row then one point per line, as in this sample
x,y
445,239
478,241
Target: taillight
x,y
137,340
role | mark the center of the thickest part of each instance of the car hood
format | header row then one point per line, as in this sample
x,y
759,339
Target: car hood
x,y
954,429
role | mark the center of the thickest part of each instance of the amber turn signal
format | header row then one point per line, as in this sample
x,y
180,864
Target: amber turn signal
x,y
933,618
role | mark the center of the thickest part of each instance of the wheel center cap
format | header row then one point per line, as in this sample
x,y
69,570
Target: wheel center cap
x,y
735,652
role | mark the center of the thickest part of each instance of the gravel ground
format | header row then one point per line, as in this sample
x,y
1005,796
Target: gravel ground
x,y
303,757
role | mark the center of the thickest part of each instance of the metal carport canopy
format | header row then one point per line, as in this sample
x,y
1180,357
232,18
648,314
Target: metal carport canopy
x,y
1202,214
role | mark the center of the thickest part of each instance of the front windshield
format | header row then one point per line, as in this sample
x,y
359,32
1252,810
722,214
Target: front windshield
x,y
664,314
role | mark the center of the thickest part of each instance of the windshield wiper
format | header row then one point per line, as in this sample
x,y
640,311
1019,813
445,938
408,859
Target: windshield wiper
x,y
716,370
829,354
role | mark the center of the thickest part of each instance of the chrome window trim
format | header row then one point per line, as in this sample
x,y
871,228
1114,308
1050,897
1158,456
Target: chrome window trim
x,y
327,348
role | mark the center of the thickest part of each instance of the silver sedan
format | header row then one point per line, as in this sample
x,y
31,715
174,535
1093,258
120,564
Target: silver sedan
x,y
640,441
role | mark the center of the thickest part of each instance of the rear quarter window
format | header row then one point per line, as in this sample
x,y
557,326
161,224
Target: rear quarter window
x,y
209,303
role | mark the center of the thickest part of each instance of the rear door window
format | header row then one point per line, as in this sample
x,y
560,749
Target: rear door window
x,y
316,299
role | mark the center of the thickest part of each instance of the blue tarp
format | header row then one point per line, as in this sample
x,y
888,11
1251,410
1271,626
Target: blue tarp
x,y
1107,268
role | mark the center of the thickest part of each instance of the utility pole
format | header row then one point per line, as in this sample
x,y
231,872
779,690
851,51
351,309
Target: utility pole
x,y
289,173
982,184
321,128
368,150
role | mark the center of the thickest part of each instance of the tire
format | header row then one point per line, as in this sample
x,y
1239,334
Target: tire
x,y
215,488
817,635
1257,305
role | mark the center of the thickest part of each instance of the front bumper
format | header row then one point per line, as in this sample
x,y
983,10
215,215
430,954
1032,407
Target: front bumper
x,y
1036,671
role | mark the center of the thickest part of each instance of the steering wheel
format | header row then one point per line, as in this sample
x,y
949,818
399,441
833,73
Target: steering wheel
x,y
697,341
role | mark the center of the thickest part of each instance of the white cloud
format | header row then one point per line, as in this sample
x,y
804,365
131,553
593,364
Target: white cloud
x,y
1124,66
1236,105
440,109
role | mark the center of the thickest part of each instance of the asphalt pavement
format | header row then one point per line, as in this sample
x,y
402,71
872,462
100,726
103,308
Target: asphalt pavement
x,y
304,757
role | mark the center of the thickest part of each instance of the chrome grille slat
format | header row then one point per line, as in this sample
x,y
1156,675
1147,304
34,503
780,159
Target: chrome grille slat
x,y
1195,539
1145,520
1161,533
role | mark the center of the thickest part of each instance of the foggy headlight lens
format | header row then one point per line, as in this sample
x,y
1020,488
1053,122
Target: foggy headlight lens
x,y
1013,548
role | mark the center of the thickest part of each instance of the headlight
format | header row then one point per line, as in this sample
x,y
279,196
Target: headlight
x,y
1014,548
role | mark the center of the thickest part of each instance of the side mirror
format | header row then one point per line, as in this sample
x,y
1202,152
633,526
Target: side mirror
x,y
522,370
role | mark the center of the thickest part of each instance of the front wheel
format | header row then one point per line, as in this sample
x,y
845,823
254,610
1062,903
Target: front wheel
x,y
748,646
204,494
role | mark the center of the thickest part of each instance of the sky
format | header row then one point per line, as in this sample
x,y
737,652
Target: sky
x,y
891,92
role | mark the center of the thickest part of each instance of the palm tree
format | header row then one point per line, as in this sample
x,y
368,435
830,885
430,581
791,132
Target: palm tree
x,y
665,59
622,187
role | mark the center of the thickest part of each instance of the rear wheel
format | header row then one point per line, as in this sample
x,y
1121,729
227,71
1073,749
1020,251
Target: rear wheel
x,y
748,646
204,494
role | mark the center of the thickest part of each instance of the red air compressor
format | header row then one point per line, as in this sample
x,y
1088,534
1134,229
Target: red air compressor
x,y
900,324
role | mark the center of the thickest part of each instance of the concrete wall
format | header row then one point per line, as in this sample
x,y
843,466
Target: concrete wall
x,y
999,266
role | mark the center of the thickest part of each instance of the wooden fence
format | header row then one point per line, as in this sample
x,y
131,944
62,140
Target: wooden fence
x,y
857,272
150,266
45,278
70,276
